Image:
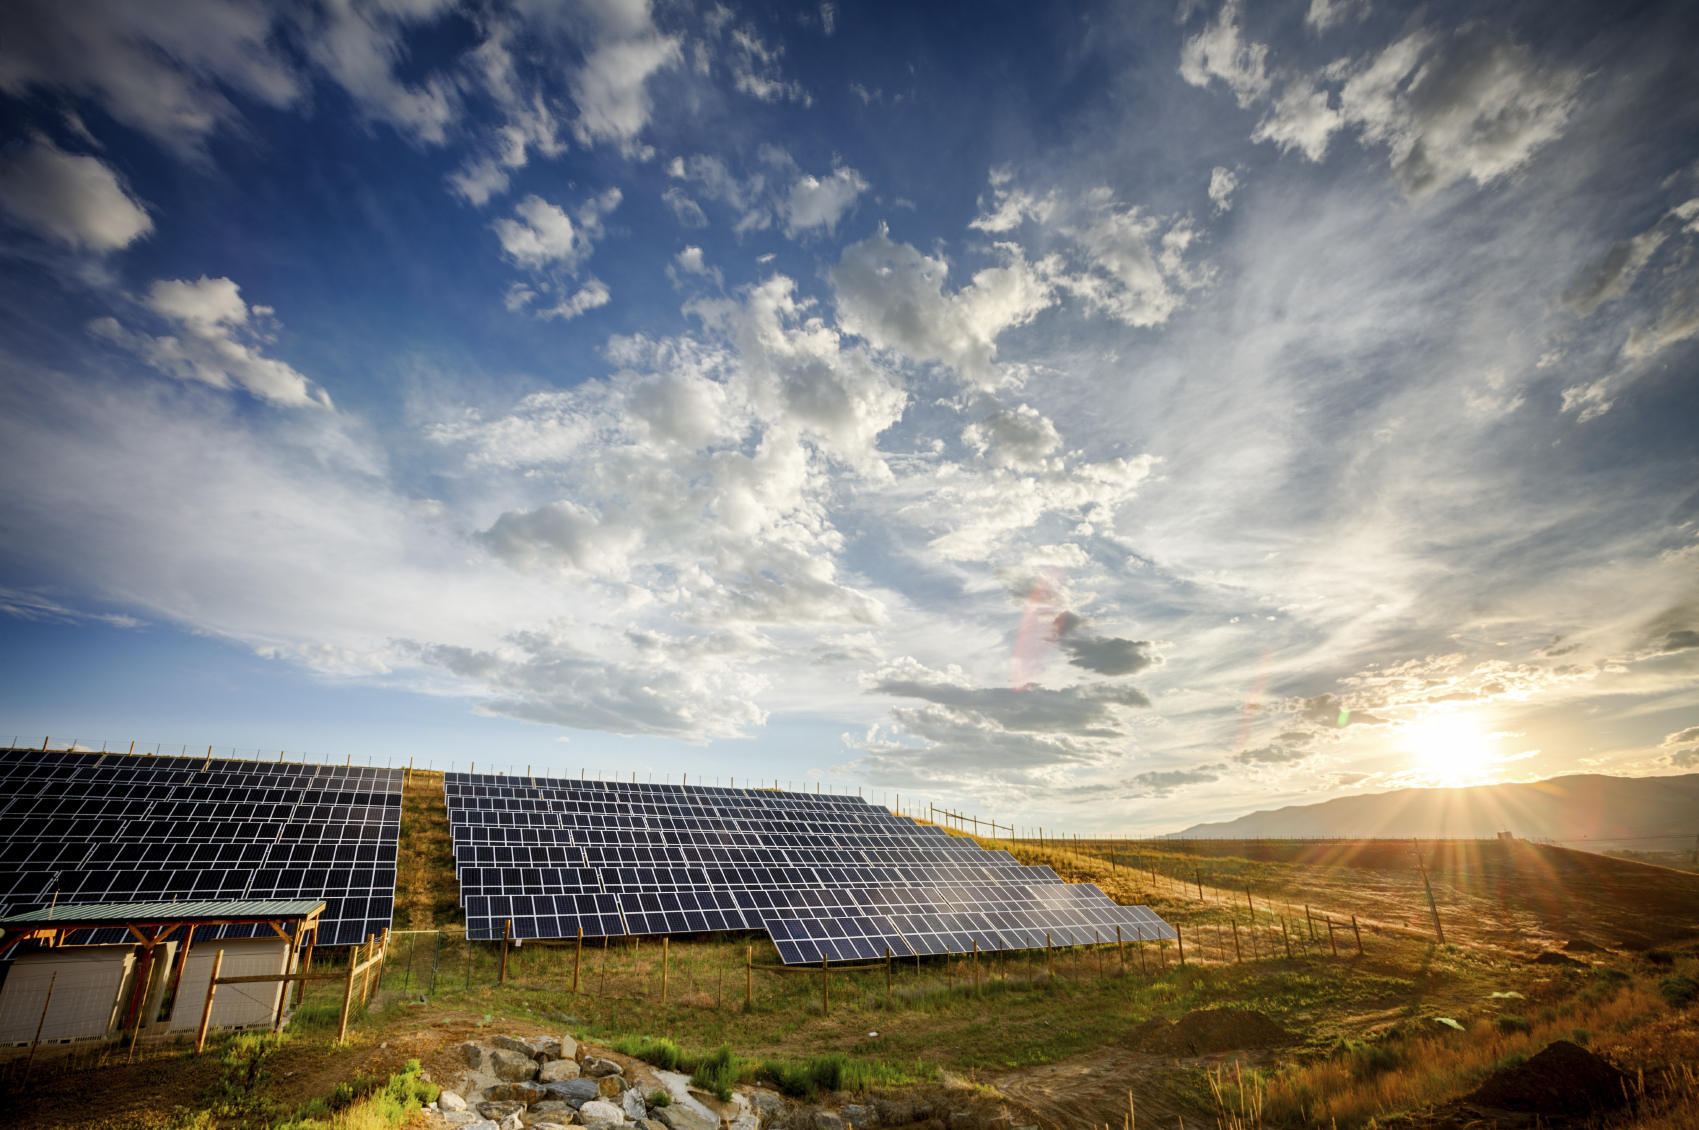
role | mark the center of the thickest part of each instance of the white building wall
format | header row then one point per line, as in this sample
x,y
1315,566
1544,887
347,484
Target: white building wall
x,y
233,1006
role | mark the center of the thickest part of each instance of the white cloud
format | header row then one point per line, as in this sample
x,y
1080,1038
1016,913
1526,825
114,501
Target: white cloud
x,y
359,44
1019,438
1324,14
219,344
542,235
1220,51
820,202
689,212
528,121
611,89
893,296
588,297
1222,182
153,67
755,70
71,198
1474,104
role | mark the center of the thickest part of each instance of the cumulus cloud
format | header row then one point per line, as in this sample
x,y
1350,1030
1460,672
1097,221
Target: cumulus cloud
x,y
542,235
1106,655
1088,710
1474,104
1220,51
1120,260
1018,438
611,89
156,69
1330,710
72,198
1275,753
545,676
755,69
218,341
1222,182
821,202
1165,782
1689,736
893,296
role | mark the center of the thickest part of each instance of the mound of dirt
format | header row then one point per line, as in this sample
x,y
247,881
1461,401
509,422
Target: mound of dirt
x,y
1207,1032
1564,1079
1582,945
1552,957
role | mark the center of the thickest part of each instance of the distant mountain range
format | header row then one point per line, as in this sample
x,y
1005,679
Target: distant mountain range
x,y
1586,810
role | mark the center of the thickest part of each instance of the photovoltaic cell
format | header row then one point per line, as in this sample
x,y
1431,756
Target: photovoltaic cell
x,y
822,875
93,828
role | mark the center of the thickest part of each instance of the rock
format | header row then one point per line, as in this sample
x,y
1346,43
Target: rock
x,y
611,1086
474,1056
522,1093
460,1117
556,1047
514,1044
448,1100
486,1124
649,1124
556,1109
558,1071
498,1111
632,1103
896,1113
679,1117
593,1068
860,1117
598,1111
574,1091
828,1120
769,1107
510,1066
962,1119
511,1122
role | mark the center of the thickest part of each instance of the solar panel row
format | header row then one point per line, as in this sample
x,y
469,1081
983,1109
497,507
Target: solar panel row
x,y
91,828
823,875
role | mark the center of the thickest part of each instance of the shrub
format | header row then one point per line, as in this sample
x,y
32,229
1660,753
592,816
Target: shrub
x,y
1659,957
660,1099
1514,1024
1580,1036
1679,991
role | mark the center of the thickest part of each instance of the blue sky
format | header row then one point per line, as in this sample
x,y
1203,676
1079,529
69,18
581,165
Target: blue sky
x,y
1106,417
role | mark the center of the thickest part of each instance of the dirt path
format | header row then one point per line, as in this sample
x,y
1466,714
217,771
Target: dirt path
x,y
1092,1090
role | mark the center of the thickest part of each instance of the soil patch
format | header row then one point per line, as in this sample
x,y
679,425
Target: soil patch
x,y
1552,957
1564,1079
1209,1031
1582,945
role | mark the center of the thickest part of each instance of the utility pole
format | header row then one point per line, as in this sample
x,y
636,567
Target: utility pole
x,y
1432,906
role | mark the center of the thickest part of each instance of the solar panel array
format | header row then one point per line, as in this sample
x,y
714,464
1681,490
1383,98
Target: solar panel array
x,y
113,828
825,876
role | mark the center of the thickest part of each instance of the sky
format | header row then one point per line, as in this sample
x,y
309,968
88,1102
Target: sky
x,y
1097,417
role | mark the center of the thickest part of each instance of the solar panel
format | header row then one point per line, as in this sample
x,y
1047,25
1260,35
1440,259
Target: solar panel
x,y
822,875
94,828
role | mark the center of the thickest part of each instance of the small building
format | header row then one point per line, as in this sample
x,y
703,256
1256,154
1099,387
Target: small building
x,y
92,992
233,1006
91,985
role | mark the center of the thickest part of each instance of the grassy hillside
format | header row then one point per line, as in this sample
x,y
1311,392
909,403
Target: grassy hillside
x,y
427,894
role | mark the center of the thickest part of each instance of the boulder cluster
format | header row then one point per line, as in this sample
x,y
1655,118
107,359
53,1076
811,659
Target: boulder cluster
x,y
552,1082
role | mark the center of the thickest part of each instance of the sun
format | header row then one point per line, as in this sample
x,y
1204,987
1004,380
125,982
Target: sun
x,y
1450,746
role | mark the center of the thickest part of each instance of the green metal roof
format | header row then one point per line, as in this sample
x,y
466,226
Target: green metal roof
x,y
118,913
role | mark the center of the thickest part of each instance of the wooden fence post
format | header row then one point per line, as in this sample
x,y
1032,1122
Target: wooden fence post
x,y
206,1010
1330,938
28,1067
347,995
306,967
577,958
665,938
1238,954
1287,935
1121,948
749,978
825,987
1049,957
1311,920
1359,934
506,933
887,976
1180,941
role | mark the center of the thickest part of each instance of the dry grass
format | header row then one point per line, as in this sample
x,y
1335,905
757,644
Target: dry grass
x,y
427,894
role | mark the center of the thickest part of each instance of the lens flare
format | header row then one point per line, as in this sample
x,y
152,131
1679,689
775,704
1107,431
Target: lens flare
x,y
1039,631
1451,747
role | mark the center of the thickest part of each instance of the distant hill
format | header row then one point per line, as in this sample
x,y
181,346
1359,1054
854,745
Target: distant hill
x,y
1586,810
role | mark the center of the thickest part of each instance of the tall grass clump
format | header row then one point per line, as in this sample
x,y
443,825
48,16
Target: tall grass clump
x,y
367,1104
